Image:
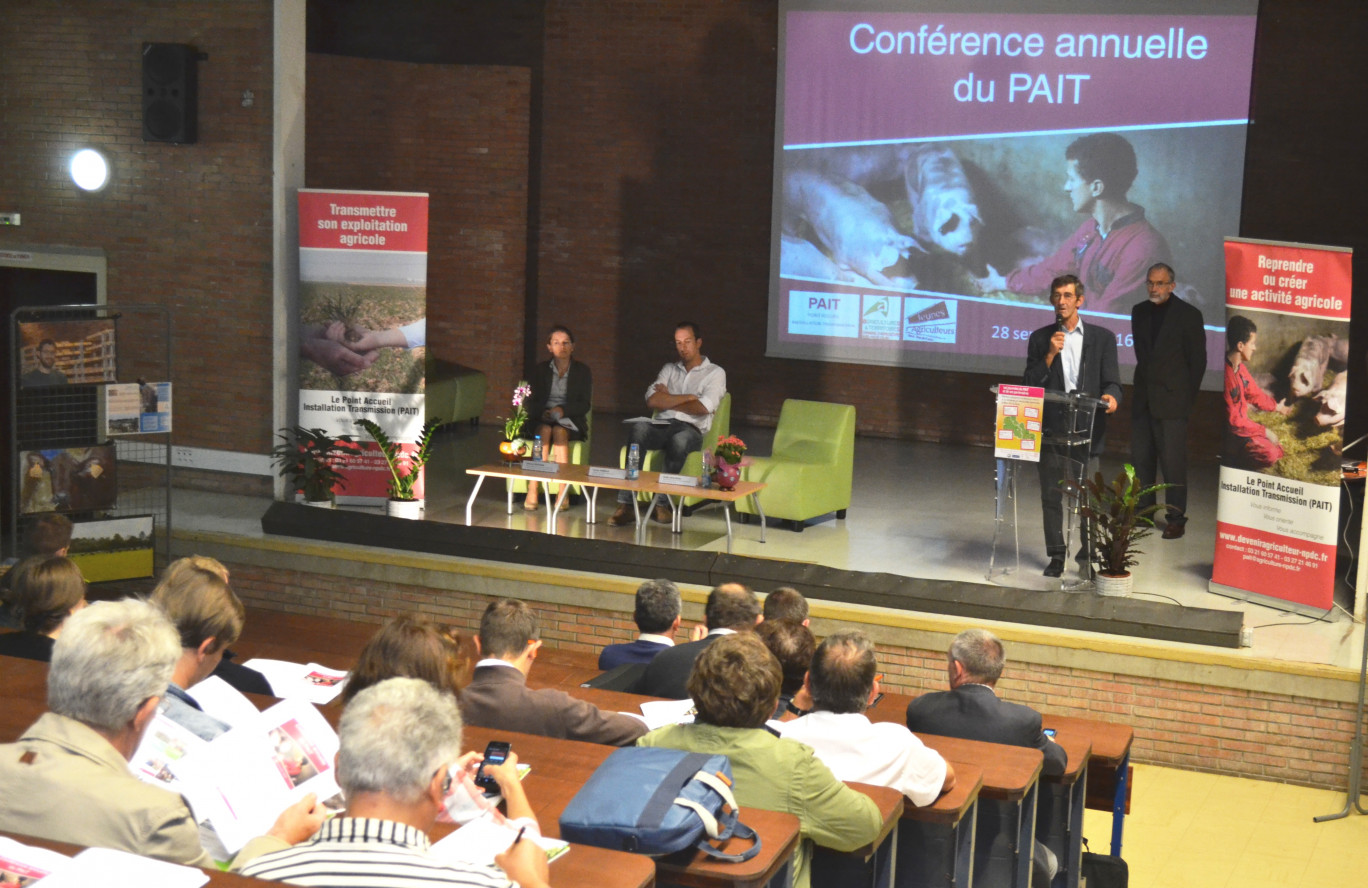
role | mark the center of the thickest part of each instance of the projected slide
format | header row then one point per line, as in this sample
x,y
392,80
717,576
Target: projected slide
x,y
934,171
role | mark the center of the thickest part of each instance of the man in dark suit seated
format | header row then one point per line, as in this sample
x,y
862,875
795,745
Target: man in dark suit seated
x,y
731,608
657,616
971,710
498,696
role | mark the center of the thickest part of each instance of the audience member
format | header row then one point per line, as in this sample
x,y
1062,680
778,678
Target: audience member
x,y
838,688
46,590
657,616
971,710
48,534
248,681
67,778
498,696
734,686
408,647
787,603
209,617
731,608
792,645
400,742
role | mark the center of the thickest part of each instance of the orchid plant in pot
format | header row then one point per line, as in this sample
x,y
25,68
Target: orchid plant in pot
x,y
404,467
513,447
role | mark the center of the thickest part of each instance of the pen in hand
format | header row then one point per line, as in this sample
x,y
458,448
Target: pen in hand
x,y
522,830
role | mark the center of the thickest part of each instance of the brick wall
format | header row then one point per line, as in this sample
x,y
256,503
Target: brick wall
x,y
460,134
1198,727
186,226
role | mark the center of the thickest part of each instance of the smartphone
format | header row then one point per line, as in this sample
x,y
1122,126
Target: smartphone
x,y
1049,732
496,753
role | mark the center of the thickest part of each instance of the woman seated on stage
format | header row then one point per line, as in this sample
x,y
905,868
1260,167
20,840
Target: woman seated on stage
x,y
561,392
46,590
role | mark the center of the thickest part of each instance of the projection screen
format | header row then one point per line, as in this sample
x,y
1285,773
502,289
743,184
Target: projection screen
x,y
928,165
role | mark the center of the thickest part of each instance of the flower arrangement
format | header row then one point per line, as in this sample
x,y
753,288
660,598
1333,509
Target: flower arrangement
x,y
731,449
513,425
309,459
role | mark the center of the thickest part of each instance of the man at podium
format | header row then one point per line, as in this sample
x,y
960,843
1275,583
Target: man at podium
x,y
1069,356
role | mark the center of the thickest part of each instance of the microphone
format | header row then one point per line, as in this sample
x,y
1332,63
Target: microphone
x,y
1059,323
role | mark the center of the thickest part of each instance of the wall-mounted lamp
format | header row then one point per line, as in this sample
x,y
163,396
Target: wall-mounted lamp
x,y
89,169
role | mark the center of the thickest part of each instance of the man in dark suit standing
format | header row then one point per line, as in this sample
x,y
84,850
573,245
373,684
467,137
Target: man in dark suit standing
x,y
1170,358
656,614
498,696
971,710
1069,356
731,608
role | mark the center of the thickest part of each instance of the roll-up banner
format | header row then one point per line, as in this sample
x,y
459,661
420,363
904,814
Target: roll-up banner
x,y
1287,348
363,322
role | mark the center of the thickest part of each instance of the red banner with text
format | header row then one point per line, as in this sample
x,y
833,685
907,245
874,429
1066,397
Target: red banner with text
x,y
1286,387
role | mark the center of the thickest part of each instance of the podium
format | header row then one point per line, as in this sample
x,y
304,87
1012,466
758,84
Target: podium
x,y
1066,446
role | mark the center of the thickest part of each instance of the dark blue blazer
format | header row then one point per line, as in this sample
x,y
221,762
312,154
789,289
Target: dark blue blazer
x,y
614,655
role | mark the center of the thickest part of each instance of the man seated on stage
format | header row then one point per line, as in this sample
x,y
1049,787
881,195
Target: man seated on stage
x,y
787,603
657,616
1070,356
685,395
67,778
841,684
400,741
731,608
209,617
792,645
971,710
735,686
1248,444
498,696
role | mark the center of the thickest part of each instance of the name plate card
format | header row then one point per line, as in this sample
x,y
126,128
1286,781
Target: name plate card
x,y
679,480
540,465
606,472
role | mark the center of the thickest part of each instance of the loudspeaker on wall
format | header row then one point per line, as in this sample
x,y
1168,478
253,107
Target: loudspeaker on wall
x,y
170,99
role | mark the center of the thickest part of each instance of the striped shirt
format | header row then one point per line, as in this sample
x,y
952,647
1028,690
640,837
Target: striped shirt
x,y
359,852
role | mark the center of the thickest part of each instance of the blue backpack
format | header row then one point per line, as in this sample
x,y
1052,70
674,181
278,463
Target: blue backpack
x,y
658,801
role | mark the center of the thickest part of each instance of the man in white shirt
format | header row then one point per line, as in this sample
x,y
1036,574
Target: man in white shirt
x,y
685,395
840,685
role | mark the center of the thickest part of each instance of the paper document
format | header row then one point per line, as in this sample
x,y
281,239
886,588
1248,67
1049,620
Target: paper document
x,y
478,841
243,779
302,681
105,866
163,743
24,864
223,701
568,423
651,419
658,713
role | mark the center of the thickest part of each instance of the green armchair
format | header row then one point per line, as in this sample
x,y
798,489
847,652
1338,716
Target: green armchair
x,y
810,472
654,460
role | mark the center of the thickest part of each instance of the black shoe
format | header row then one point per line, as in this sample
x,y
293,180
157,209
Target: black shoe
x,y
1174,531
1056,568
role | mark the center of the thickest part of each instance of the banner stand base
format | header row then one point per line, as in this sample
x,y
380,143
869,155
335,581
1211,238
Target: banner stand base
x,y
1281,604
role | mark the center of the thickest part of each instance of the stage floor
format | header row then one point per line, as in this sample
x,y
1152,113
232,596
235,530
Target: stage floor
x,y
919,510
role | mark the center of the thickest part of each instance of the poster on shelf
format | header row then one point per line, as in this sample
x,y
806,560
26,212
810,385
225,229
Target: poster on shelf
x,y
363,323
113,549
1285,391
71,479
137,408
66,352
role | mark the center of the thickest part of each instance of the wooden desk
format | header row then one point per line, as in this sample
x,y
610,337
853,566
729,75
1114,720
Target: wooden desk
x,y
648,482
936,842
1109,772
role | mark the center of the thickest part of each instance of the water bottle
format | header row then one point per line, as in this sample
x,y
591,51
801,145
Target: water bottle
x,y
633,462
536,448
705,477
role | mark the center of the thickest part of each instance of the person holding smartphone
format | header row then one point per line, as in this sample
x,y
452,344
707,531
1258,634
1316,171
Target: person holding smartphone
x,y
400,751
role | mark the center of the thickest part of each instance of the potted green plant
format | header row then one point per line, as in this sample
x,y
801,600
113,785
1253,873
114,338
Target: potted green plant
x,y
403,467
308,458
1116,524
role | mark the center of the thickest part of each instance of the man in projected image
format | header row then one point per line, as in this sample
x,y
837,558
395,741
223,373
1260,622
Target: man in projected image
x,y
1069,356
1112,250
46,373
